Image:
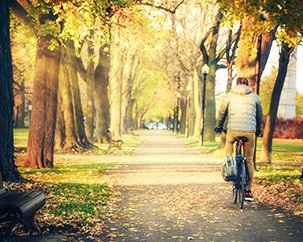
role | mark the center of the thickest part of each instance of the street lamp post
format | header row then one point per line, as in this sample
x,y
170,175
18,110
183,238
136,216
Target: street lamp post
x,y
205,70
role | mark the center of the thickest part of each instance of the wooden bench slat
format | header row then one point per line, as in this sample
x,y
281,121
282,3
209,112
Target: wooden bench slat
x,y
27,196
33,205
2,190
23,204
12,198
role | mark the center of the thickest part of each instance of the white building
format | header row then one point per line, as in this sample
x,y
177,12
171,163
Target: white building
x,y
287,105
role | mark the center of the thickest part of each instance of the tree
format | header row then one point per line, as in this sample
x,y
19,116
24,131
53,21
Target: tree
x,y
101,93
72,131
283,20
299,104
289,17
274,104
42,131
50,33
257,34
266,89
23,45
211,59
8,168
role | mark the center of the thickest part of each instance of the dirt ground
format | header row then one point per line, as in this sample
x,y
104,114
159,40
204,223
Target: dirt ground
x,y
168,192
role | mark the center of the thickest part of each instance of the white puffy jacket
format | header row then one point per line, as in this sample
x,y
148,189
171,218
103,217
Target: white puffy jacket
x,y
243,109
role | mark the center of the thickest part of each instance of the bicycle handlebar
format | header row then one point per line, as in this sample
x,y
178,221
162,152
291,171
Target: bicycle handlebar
x,y
220,130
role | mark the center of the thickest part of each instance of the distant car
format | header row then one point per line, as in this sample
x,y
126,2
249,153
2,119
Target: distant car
x,y
159,126
149,125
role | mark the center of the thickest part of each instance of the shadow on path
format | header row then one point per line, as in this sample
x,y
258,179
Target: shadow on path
x,y
169,192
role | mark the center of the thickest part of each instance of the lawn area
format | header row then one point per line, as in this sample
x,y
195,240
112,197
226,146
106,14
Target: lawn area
x,y
78,198
282,150
277,183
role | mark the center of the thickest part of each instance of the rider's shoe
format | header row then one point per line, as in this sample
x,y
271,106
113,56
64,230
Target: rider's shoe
x,y
248,196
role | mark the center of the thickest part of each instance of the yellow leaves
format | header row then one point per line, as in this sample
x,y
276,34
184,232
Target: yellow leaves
x,y
285,192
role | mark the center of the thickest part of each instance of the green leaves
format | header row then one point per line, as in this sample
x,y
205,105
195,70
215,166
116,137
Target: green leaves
x,y
288,15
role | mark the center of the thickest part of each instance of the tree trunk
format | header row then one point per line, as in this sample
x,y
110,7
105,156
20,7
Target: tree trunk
x,y
101,94
197,104
274,104
60,136
246,62
183,115
210,102
90,84
115,82
40,149
71,103
192,113
8,169
210,106
127,83
19,106
247,54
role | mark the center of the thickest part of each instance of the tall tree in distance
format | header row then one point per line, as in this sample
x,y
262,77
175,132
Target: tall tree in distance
x,y
8,169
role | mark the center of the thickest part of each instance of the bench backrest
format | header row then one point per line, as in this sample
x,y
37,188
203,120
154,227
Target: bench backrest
x,y
23,202
109,137
1,181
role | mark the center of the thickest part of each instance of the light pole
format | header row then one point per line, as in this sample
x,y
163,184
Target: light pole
x,y
188,89
205,70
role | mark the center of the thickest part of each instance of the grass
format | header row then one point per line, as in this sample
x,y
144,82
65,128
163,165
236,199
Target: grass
x,y
276,184
282,149
77,196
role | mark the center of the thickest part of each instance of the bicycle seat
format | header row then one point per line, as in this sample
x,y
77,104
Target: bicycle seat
x,y
242,138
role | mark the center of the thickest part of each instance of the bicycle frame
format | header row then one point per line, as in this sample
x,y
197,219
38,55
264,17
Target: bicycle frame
x,y
242,178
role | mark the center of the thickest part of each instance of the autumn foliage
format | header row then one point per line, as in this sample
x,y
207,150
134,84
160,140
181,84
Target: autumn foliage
x,y
288,128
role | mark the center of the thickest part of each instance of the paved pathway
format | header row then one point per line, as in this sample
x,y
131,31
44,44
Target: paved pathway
x,y
168,192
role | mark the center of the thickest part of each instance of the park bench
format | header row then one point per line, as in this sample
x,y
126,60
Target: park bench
x,y
19,208
134,135
113,143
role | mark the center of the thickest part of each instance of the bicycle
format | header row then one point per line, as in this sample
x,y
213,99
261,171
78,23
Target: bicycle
x,y
239,184
242,177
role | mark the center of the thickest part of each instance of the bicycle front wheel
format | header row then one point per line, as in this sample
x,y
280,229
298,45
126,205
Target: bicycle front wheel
x,y
242,185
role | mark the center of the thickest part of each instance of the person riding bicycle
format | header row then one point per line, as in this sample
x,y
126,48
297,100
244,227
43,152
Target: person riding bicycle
x,y
242,109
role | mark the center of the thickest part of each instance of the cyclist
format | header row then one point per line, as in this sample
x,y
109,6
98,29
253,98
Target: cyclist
x,y
242,109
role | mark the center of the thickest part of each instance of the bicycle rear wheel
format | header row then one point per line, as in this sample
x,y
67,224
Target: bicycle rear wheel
x,y
242,185
235,192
